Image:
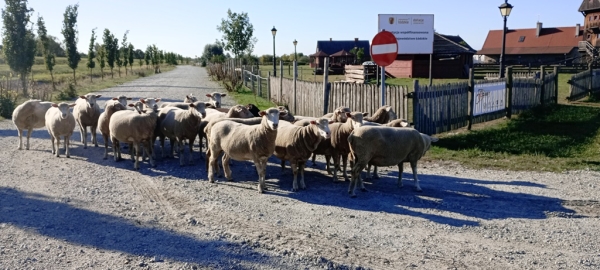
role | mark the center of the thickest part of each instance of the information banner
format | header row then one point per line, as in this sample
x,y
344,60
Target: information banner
x,y
489,97
414,32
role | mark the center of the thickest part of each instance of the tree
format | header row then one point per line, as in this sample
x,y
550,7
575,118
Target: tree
x,y
148,56
210,50
53,46
237,33
91,53
124,53
70,32
109,47
130,50
101,57
18,42
49,59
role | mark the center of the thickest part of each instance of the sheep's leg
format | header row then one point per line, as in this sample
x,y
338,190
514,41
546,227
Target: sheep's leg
x,y
345,166
180,151
67,151
57,138
162,146
301,166
136,164
191,146
314,156
83,130
105,137
94,134
116,149
226,169
356,169
336,165
212,161
148,146
294,167
400,171
283,166
28,136
20,132
328,163
413,165
53,147
261,168
375,174
173,144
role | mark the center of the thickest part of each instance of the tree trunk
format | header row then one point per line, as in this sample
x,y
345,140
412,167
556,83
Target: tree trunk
x,y
53,83
24,83
74,79
112,75
91,75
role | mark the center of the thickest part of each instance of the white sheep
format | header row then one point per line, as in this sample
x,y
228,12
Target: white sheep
x,y
386,146
121,99
29,115
134,127
110,107
86,113
215,99
297,143
60,122
383,115
339,141
180,125
190,98
243,142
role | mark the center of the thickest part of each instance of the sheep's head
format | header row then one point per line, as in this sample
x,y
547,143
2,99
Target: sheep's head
x,y
391,113
64,108
356,118
122,99
253,109
239,111
427,140
339,114
114,105
151,103
91,99
284,114
138,106
215,98
190,98
272,117
323,127
199,107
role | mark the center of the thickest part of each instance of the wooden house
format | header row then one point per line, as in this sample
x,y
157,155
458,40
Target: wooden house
x,y
591,29
452,58
534,46
327,48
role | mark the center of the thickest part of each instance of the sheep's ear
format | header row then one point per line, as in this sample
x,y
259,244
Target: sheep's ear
x,y
331,122
84,97
192,105
54,105
157,99
188,97
208,95
115,98
98,96
263,113
207,104
365,114
313,122
72,105
223,95
130,105
142,100
144,111
348,114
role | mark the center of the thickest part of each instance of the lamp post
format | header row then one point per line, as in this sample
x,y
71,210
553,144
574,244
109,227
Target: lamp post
x,y
295,43
505,9
274,32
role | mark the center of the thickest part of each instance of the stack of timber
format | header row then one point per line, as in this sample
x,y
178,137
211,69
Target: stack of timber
x,y
354,73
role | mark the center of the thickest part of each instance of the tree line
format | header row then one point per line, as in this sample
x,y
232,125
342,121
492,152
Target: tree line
x,y
20,45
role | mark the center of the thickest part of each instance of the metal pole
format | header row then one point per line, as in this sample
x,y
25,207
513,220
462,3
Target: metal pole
x,y
382,86
503,49
274,67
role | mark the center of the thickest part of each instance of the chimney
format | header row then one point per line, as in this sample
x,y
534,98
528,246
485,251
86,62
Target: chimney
x,y
539,29
330,39
355,39
577,29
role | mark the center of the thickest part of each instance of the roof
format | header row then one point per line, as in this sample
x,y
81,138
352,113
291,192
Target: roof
x,y
342,53
552,40
447,44
332,46
319,53
589,5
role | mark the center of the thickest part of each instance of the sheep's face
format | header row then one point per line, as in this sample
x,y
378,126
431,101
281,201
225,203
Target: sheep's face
x,y
272,117
284,114
151,103
239,111
190,98
114,105
356,118
91,99
199,108
64,108
253,109
215,99
323,127
138,106
122,99
339,115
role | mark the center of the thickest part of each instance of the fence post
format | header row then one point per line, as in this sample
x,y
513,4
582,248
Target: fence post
x,y
591,79
253,89
509,91
269,86
258,79
415,105
556,71
281,83
326,89
543,84
471,96
295,89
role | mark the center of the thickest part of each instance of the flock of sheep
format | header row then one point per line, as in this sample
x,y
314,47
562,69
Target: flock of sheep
x,y
240,133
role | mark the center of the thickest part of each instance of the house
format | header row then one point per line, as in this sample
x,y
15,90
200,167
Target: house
x,y
535,46
452,58
340,50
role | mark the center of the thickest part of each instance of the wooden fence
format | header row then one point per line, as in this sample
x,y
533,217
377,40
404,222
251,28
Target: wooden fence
x,y
583,84
441,108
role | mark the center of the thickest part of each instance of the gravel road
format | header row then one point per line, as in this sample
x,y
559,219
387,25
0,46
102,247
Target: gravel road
x,y
86,212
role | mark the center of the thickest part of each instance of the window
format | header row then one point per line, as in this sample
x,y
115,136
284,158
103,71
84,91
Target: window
x,y
521,38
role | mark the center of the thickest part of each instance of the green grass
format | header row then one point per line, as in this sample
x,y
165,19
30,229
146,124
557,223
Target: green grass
x,y
555,138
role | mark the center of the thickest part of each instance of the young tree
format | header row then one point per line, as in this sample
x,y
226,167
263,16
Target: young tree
x,y
101,57
131,49
17,40
92,53
109,47
148,56
124,53
47,54
210,50
70,32
237,33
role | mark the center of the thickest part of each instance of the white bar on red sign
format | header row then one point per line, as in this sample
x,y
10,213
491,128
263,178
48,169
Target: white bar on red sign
x,y
384,48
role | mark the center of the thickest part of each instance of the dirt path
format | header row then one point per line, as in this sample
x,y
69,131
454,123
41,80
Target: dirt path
x,y
86,212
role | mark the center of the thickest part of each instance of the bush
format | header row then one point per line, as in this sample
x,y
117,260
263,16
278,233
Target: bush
x,y
203,63
69,93
8,103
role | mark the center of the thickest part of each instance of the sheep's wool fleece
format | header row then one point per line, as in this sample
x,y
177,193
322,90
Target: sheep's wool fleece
x,y
295,142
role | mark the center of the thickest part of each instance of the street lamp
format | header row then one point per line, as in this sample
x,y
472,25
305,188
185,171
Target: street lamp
x,y
505,9
295,43
274,32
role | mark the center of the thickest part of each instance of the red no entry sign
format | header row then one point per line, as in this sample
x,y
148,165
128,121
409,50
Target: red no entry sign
x,y
384,48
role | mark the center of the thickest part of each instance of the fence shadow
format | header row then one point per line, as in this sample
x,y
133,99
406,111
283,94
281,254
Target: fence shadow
x,y
83,227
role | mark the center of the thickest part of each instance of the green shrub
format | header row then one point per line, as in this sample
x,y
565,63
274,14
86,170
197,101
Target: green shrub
x,y
69,93
8,102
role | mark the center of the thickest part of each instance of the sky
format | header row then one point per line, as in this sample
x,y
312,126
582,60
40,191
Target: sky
x,y
185,27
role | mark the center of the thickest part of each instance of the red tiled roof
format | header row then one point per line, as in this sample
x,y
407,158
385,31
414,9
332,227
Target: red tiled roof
x,y
552,40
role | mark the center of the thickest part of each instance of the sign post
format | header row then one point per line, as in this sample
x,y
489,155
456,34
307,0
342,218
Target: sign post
x,y
384,50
